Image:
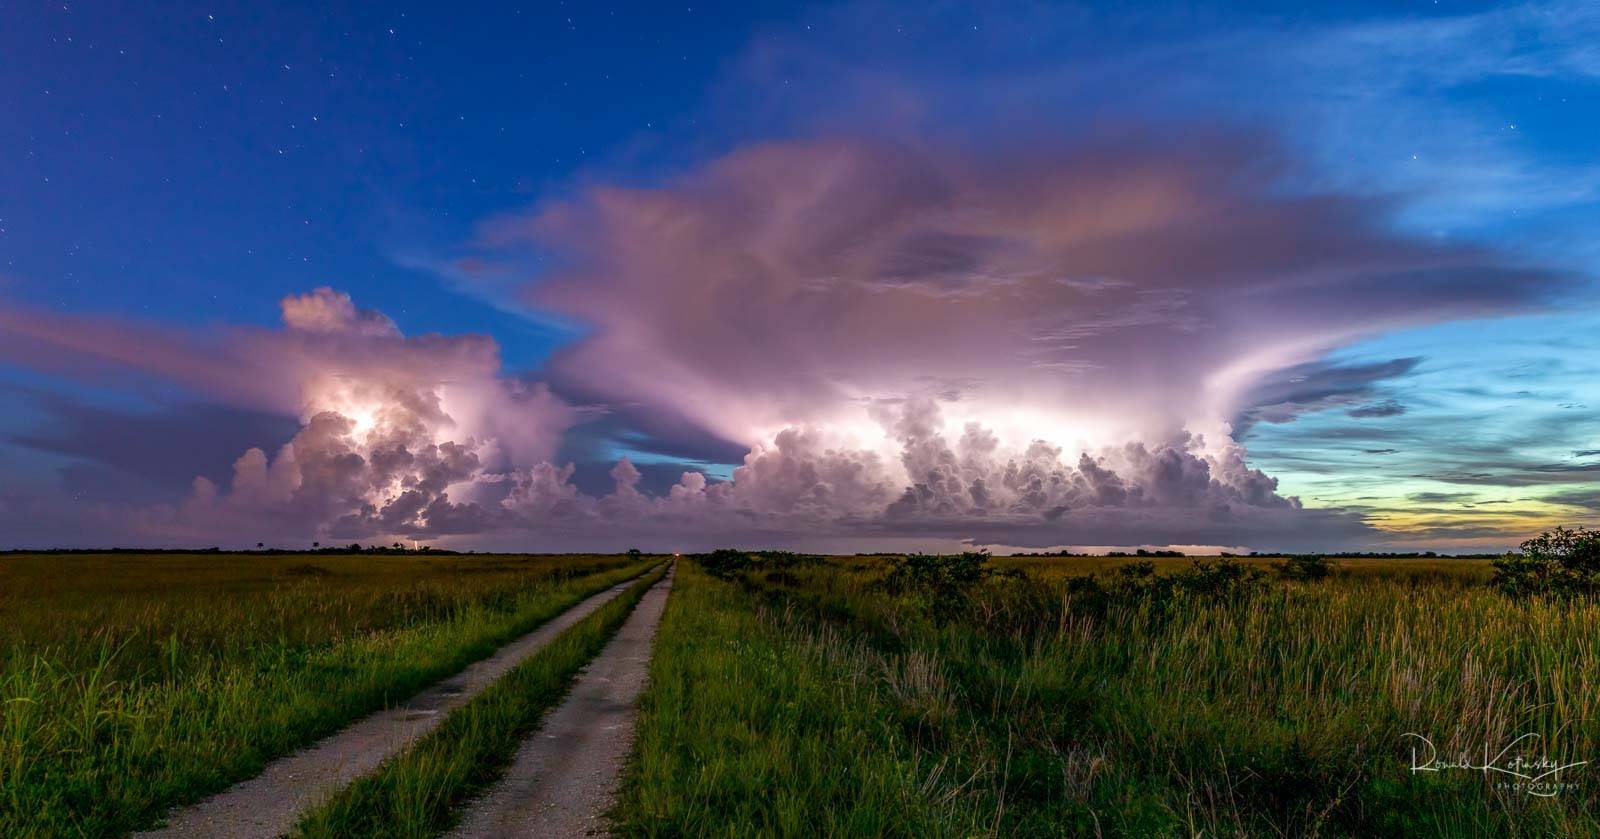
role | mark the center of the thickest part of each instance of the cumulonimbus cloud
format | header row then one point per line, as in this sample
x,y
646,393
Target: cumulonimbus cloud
x,y
425,438
1039,347
1122,285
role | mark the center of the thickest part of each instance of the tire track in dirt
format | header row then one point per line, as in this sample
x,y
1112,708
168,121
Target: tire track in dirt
x,y
269,804
565,776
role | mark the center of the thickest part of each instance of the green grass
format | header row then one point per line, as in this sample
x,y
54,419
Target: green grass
x,y
1025,714
807,700
133,683
755,725
418,792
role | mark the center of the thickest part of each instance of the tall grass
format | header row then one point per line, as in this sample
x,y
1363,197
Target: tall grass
x,y
1278,713
754,725
130,684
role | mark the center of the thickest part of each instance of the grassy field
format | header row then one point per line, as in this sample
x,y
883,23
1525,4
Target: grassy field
x,y
134,682
758,722
847,696
809,699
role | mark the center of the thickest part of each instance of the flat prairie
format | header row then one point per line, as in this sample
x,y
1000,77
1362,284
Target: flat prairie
x,y
1099,696
797,695
135,682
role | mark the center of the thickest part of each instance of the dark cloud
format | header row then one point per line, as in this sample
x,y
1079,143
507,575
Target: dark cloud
x,y
1457,528
94,483
1440,497
165,448
1587,498
1386,408
1286,394
1518,474
37,518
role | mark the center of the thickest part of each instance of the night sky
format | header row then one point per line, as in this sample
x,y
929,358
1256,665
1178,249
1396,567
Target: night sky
x,y
850,276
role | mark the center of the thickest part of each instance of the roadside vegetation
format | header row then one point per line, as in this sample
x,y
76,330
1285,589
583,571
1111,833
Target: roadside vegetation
x,y
1562,564
419,792
795,695
129,683
961,696
760,723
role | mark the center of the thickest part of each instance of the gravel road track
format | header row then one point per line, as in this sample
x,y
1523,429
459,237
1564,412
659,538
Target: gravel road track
x,y
564,777
269,804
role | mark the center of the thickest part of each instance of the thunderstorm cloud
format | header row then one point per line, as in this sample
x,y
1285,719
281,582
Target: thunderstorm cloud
x,y
1059,344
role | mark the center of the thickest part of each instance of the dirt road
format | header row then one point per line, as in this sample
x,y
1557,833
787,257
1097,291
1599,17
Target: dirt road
x,y
269,804
564,777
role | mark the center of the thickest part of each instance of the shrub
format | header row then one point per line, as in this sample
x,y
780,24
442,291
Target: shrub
x,y
1221,579
1558,563
1137,583
724,563
1304,567
785,560
946,581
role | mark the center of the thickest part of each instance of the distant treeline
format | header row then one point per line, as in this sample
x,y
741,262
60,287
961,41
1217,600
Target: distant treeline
x,y
1379,555
353,548
1341,555
357,548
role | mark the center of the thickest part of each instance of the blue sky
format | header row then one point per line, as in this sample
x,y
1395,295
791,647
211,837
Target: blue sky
x,y
191,165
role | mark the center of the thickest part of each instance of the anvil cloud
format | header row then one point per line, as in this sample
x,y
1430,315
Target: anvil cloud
x,y
1041,345
1120,286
